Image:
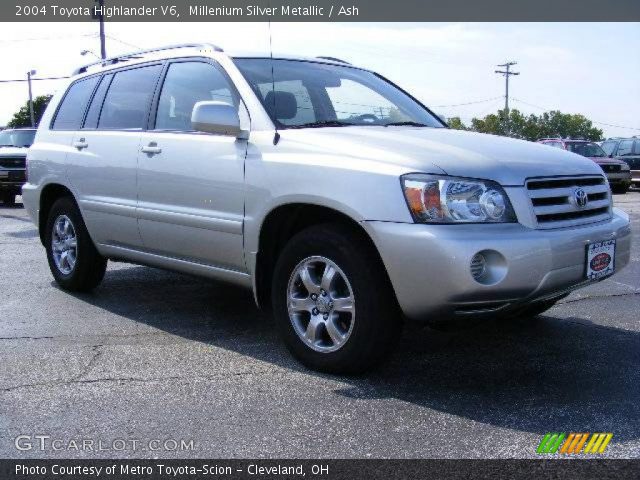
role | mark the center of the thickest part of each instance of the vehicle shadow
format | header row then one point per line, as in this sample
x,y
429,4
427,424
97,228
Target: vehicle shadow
x,y
540,375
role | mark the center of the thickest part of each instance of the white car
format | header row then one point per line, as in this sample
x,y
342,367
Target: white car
x,y
341,200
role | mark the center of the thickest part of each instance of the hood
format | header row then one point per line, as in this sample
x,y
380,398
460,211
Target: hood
x,y
606,161
13,152
440,150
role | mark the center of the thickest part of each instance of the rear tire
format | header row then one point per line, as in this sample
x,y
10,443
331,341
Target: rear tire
x,y
620,189
353,322
73,259
9,199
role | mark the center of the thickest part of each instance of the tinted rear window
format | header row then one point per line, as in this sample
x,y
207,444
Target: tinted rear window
x,y
128,99
74,104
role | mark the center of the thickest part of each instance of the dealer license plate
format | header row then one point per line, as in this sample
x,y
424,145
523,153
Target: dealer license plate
x,y
601,259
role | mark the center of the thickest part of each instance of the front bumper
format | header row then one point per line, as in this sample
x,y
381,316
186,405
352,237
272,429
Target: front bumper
x,y
429,265
622,178
12,180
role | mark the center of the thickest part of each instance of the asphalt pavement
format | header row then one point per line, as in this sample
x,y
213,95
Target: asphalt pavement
x,y
189,368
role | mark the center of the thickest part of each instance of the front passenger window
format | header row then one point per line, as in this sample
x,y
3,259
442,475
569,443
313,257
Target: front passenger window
x,y
186,84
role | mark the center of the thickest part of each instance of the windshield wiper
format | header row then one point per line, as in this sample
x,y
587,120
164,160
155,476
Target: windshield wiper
x,y
320,124
408,124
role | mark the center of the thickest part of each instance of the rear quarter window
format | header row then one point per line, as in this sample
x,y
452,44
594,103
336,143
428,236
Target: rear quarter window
x,y
71,110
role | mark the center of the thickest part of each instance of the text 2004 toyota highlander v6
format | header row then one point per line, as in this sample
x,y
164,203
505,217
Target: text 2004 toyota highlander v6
x,y
336,196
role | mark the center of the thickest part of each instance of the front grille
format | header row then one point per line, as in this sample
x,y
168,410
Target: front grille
x,y
610,168
555,206
12,162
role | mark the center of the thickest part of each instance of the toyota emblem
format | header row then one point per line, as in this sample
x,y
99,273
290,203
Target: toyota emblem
x,y
580,197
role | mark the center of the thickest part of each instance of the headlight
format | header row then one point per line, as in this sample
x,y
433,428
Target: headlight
x,y
443,199
625,167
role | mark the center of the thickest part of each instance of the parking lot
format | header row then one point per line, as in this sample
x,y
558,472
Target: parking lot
x,y
157,355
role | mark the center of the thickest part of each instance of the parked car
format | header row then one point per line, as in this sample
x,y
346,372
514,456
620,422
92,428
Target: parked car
x,y
617,171
13,152
627,150
336,196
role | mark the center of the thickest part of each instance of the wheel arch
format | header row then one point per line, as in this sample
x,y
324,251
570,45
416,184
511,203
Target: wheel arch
x,y
48,196
280,225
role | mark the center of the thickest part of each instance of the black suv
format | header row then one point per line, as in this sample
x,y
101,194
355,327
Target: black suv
x,y
627,149
13,153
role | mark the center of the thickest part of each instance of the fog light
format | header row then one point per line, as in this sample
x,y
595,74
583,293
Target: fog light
x,y
488,267
478,266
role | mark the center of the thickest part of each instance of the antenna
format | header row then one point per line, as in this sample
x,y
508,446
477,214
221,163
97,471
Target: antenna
x,y
276,137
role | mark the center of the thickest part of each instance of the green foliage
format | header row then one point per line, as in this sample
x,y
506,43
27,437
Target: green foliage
x,y
22,118
456,123
533,127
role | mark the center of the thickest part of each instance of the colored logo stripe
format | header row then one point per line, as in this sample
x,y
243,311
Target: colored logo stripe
x,y
574,443
550,443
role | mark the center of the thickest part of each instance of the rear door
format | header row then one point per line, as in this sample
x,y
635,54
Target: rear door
x,y
103,166
190,184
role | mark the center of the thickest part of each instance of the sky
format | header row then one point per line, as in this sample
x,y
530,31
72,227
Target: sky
x,y
587,68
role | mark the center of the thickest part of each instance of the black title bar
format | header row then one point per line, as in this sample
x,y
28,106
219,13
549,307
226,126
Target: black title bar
x,y
318,469
320,10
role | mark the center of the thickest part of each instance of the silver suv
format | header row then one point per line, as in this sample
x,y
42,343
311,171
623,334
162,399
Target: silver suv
x,y
341,200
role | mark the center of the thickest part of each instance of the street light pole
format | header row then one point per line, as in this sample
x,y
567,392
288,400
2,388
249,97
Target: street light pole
x,y
33,118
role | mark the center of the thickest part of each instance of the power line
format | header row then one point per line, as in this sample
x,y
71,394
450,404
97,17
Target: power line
x,y
18,80
466,103
123,42
53,37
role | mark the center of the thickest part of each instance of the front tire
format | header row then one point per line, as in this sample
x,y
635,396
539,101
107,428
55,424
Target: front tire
x,y
73,259
621,189
333,302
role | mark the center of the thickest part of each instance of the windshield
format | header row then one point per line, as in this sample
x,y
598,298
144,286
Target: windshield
x,y
17,138
308,94
586,149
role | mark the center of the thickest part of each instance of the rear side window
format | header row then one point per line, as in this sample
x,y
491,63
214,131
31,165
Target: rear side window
x,y
636,147
128,99
96,104
186,84
74,104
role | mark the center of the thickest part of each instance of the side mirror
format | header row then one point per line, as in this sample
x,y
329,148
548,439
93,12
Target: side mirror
x,y
218,118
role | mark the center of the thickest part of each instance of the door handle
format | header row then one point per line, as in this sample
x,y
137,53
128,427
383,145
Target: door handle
x,y
80,144
152,149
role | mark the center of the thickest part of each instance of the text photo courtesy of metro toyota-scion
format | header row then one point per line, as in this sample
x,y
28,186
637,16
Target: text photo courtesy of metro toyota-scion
x,y
280,240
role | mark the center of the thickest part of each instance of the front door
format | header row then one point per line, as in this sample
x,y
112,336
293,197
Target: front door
x,y
190,184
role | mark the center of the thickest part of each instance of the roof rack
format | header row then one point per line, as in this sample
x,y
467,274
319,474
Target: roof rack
x,y
138,54
334,59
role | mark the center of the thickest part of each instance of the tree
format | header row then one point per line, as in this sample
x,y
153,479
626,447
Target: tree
x,y
22,118
456,123
534,127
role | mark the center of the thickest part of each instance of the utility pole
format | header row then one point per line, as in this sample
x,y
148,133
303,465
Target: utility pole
x,y
33,118
100,17
507,73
